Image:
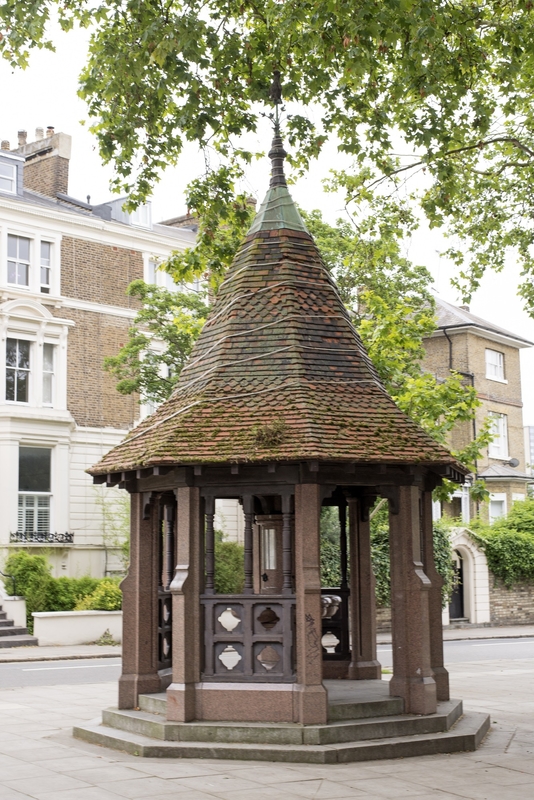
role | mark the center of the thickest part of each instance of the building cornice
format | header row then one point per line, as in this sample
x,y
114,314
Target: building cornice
x,y
484,333
92,228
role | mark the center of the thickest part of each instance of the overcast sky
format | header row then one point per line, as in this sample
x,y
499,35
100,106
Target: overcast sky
x,y
45,94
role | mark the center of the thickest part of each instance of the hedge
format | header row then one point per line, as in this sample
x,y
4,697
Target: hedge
x,y
509,543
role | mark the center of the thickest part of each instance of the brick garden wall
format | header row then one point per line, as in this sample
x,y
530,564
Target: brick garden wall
x,y
513,606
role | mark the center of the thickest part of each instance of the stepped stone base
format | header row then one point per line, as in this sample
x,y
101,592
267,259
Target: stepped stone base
x,y
13,636
364,724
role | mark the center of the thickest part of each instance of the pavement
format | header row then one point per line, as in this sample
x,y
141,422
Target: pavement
x,y
40,759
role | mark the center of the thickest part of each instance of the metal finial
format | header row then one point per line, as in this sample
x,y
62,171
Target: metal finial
x,y
277,153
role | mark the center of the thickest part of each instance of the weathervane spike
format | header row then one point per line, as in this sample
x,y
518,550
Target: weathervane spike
x,y
277,153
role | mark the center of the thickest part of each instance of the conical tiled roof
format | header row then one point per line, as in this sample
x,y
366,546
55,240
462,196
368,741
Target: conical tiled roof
x,y
278,372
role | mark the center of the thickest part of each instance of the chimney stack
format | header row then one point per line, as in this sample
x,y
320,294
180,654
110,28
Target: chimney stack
x,y
46,166
4,145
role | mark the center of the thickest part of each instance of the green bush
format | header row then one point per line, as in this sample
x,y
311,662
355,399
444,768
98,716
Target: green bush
x,y
229,566
106,597
33,581
45,593
509,543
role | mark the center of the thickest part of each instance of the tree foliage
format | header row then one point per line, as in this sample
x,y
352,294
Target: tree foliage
x,y
438,89
159,341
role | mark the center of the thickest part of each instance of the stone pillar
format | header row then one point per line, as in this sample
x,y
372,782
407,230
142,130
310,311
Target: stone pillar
x,y
185,588
312,701
410,587
140,606
441,676
364,664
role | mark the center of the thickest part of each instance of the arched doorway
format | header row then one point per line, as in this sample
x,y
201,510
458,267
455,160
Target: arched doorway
x,y
457,603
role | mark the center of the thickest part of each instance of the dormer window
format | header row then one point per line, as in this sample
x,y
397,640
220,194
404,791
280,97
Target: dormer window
x,y
8,178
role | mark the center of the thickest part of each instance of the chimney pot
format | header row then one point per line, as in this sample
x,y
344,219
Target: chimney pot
x,y
39,134
4,145
50,130
22,136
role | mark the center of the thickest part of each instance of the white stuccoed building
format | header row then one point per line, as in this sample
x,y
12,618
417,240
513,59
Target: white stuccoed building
x,y
65,266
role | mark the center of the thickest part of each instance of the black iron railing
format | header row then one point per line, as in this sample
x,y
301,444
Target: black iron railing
x,y
36,537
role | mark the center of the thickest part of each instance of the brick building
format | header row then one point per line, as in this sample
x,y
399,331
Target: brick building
x,y
487,357
64,269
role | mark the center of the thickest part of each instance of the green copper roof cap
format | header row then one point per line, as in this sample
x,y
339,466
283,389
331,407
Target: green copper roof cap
x,y
278,209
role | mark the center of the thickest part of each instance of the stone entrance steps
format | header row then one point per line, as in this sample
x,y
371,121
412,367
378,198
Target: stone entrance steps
x,y
364,725
12,635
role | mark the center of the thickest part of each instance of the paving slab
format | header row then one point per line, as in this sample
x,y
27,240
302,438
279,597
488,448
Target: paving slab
x,y
503,767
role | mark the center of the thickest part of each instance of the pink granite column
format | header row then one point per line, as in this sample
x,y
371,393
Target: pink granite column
x,y
140,606
185,588
410,588
312,703
441,676
364,664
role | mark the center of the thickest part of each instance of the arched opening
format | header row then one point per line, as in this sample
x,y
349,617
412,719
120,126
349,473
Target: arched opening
x,y
457,603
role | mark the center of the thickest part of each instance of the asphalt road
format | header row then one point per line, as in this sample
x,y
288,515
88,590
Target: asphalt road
x,y
51,673
474,650
102,670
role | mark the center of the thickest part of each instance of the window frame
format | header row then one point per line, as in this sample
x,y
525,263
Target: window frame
x,y
51,373
36,495
501,442
18,369
500,366
19,261
13,180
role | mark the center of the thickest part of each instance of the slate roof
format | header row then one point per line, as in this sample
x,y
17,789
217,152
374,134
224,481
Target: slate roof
x,y
504,471
450,316
278,372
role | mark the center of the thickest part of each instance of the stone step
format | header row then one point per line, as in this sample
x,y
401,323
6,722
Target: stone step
x,y
5,623
3,614
465,735
157,727
381,705
12,630
23,640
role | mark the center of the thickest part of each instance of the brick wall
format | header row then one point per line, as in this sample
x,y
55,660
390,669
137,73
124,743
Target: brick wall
x,y
47,175
513,606
92,397
383,619
99,273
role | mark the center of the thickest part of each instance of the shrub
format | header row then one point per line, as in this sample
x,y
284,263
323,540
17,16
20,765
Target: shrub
x,y
509,543
45,593
106,597
33,581
229,566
